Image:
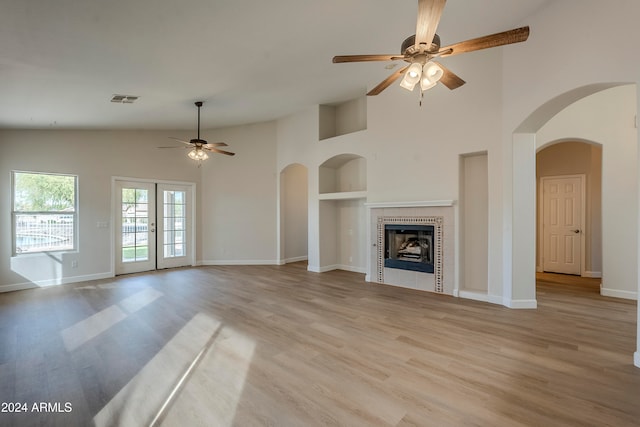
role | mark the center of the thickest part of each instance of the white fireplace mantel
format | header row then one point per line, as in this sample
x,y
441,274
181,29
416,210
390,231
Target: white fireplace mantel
x,y
418,204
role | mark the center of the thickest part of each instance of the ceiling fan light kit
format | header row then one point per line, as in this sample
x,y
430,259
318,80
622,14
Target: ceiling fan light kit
x,y
199,147
198,154
419,50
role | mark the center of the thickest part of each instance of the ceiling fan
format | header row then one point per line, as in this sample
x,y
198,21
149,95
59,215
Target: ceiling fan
x,y
199,147
419,50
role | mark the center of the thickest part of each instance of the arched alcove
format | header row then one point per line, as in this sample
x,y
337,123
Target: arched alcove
x,y
293,214
342,173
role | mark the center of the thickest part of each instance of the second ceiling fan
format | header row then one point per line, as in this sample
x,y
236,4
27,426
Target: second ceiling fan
x,y
199,147
420,49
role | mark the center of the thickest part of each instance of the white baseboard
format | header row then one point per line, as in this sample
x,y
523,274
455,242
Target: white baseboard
x,y
636,358
616,293
480,296
294,259
240,262
54,282
326,268
520,303
592,274
476,296
352,268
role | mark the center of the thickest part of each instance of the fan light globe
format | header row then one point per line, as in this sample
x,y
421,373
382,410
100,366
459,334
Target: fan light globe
x,y
406,85
431,74
412,76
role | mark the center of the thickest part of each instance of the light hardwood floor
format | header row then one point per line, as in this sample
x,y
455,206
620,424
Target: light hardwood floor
x,y
277,345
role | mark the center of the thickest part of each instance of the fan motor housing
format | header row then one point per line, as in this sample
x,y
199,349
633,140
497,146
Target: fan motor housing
x,y
408,45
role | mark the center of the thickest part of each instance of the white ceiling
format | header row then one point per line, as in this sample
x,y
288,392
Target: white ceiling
x,y
249,60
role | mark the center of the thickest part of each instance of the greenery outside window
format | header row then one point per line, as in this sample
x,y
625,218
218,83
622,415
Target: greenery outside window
x,y
44,212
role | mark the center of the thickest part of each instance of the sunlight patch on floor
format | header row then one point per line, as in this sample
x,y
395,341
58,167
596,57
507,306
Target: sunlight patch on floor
x,y
89,328
141,399
211,395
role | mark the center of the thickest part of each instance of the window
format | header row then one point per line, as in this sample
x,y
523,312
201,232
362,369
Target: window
x,y
174,223
44,212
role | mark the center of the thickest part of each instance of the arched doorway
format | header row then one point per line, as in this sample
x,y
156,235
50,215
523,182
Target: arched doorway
x,y
592,113
293,214
609,118
569,208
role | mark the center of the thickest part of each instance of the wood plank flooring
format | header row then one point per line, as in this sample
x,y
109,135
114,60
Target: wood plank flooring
x,y
280,346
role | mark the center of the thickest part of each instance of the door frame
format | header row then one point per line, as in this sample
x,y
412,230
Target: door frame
x,y
583,213
115,212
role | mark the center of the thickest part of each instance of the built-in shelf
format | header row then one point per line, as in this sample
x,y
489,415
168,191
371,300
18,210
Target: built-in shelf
x,y
343,173
345,195
419,204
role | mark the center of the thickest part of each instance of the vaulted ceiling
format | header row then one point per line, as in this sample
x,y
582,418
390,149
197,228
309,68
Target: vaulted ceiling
x,y
249,60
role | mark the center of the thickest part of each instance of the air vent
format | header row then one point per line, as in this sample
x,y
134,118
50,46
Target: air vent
x,y
124,99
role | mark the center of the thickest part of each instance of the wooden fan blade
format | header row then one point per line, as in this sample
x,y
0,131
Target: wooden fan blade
x,y
215,150
516,35
365,58
449,78
215,144
429,13
387,82
179,140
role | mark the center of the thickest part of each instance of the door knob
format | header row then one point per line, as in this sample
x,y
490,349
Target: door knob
x,y
576,231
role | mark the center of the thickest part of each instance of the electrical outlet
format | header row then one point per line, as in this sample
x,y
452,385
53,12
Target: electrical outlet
x,y
74,263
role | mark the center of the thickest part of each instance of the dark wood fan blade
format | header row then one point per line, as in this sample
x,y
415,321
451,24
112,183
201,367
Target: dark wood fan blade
x,y
387,82
215,150
179,140
449,78
429,13
516,35
215,144
366,58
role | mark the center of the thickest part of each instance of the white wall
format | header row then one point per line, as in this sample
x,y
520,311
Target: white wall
x,y
95,156
239,197
411,152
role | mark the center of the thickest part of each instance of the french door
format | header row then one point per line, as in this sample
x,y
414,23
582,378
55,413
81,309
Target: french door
x,y
153,226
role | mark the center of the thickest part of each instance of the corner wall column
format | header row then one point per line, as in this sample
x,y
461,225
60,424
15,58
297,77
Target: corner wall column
x,y
523,280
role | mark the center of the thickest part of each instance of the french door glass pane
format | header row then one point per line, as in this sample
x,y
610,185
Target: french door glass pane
x,y
135,225
174,223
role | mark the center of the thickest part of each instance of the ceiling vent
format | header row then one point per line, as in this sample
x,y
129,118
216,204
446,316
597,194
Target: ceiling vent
x,y
124,99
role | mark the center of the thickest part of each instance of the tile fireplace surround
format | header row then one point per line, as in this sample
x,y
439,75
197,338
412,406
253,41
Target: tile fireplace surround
x,y
440,214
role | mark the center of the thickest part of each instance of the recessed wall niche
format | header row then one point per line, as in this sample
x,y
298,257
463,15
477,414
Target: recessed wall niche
x,y
342,214
344,173
342,118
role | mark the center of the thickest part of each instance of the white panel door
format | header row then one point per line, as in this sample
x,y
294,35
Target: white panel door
x,y
135,227
562,224
174,226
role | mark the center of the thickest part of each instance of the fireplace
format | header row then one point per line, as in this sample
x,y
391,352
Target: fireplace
x,y
409,247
